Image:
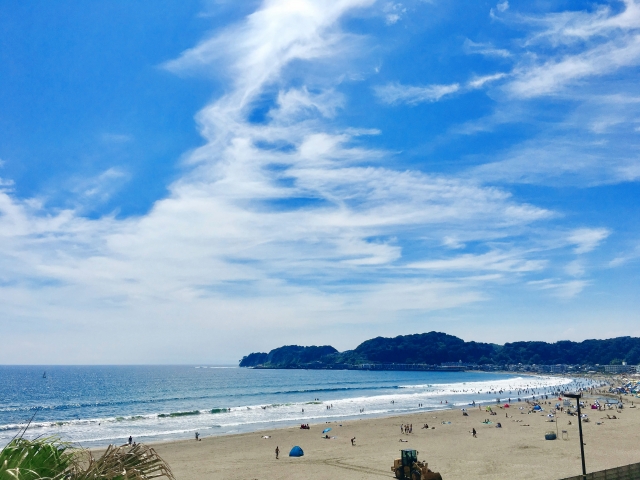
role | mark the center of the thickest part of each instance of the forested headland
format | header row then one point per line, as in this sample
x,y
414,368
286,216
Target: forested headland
x,y
435,348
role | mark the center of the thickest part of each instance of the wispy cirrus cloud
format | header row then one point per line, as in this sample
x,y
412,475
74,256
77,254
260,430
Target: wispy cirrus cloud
x,y
492,261
479,82
561,289
553,161
102,186
587,239
587,45
393,12
479,48
624,258
395,93
554,75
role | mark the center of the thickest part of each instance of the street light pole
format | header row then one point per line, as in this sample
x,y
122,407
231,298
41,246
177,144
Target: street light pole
x,y
577,397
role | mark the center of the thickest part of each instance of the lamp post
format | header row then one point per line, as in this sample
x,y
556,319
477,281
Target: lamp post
x,y
577,397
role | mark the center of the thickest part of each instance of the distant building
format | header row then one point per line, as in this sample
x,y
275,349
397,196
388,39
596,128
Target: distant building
x,y
617,368
459,364
558,368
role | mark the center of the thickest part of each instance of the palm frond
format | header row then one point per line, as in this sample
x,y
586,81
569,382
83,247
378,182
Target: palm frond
x,y
139,462
51,459
42,458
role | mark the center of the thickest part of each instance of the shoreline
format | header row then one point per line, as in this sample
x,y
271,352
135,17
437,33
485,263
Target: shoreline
x,y
346,409
402,396
370,417
513,451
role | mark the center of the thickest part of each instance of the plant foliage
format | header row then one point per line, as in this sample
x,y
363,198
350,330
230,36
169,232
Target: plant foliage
x,y
50,459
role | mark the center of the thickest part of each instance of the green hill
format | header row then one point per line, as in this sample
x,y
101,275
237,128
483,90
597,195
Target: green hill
x,y
435,348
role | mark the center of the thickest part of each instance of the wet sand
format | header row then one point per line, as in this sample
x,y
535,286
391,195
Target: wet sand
x,y
518,450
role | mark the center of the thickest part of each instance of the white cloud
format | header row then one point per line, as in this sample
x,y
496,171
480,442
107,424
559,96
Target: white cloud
x,y
392,18
575,268
294,103
554,75
601,43
6,183
393,12
479,82
487,49
395,93
102,185
624,258
560,289
503,6
587,239
554,159
491,261
452,242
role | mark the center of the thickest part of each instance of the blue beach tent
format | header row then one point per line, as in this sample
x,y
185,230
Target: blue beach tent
x,y
296,452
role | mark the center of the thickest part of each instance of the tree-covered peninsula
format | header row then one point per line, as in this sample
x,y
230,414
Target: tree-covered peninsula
x,y
436,348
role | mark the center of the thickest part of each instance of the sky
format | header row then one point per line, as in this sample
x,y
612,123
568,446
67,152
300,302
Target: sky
x,y
191,181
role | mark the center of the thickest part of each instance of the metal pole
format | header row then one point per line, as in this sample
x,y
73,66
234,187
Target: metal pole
x,y
584,469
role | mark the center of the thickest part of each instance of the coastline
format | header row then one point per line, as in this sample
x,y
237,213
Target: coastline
x,y
518,450
232,401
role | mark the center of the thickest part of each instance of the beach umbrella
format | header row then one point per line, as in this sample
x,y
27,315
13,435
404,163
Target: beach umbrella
x,y
296,452
506,405
326,430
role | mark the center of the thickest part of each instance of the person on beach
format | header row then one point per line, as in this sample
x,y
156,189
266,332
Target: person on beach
x,y
130,440
277,452
353,442
197,436
473,431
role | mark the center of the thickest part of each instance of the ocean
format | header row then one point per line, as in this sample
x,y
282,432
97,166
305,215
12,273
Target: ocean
x,y
93,406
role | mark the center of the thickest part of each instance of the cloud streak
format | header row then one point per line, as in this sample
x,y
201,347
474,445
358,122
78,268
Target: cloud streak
x,y
396,93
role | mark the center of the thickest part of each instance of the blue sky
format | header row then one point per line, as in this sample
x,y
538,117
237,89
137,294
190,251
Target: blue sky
x,y
187,182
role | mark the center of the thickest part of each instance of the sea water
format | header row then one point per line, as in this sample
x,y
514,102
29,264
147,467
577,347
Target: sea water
x,y
95,406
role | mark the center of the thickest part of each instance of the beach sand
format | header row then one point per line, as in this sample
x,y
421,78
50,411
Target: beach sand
x,y
514,451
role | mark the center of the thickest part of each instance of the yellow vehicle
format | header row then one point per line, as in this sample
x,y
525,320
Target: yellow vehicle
x,y
408,466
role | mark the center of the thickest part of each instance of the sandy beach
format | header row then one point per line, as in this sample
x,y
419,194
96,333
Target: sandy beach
x,y
518,450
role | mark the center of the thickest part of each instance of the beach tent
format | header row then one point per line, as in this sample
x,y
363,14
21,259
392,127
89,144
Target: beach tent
x,y
506,405
296,452
537,407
